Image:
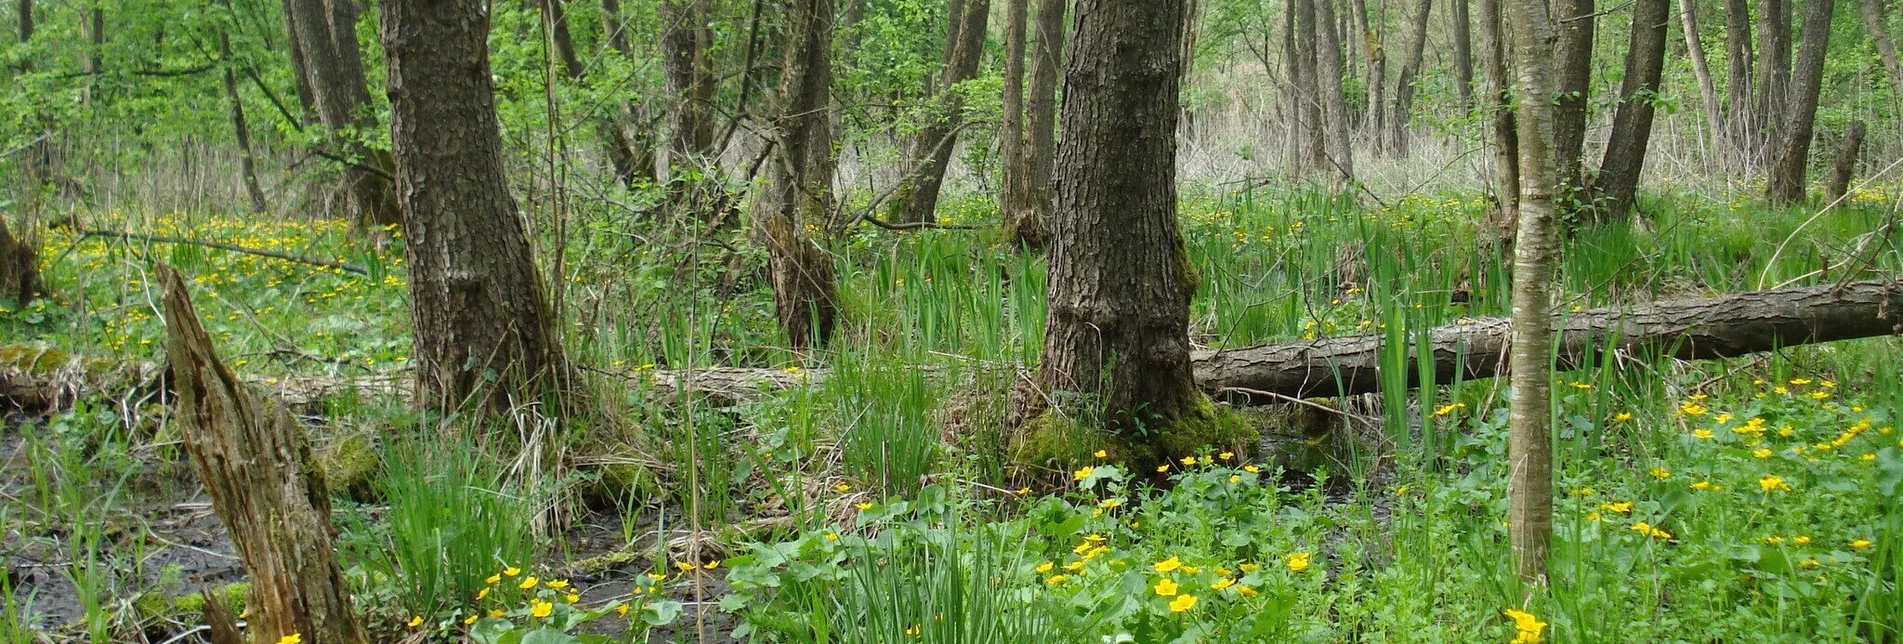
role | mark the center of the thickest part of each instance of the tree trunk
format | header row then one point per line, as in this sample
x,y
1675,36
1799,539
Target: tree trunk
x,y
264,484
1704,328
798,194
92,27
300,64
1701,70
1614,190
1846,166
247,165
1030,225
1773,80
1573,22
687,41
19,266
1463,54
1312,143
628,162
1873,13
1017,184
1506,147
1793,155
1374,125
326,36
931,148
1741,124
1118,325
1404,85
631,156
1329,74
1529,436
482,325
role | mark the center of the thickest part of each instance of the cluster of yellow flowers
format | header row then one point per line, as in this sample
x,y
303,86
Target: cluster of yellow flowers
x,y
1527,628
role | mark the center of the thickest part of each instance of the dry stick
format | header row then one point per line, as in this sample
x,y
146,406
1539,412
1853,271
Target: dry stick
x,y
160,239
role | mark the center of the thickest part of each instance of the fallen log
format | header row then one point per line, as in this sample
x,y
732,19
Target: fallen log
x,y
1687,329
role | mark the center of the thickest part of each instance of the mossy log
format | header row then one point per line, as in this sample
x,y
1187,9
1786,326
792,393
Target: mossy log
x,y
264,484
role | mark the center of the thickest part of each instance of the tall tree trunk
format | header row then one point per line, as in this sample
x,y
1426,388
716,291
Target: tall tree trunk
x,y
1374,125
1773,86
19,266
265,486
628,164
1701,69
1506,147
1012,202
327,39
1873,16
1030,224
1404,85
798,195
1846,167
300,63
1120,283
1788,174
1574,24
687,41
931,148
247,165
1312,144
92,27
1615,188
631,155
1529,438
1463,53
1329,74
1741,124
483,329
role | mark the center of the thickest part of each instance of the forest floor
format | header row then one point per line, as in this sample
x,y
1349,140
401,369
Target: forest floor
x,y
1743,500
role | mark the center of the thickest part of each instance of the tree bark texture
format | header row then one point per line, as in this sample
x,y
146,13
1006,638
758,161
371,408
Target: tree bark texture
x,y
264,484
1845,169
1119,284
1573,24
1790,170
19,266
247,165
1404,84
1463,53
798,195
1772,88
1311,144
1373,47
1031,223
483,328
1017,19
1873,17
1741,125
1614,189
687,42
1506,147
931,148
326,36
1340,161
1529,407
1701,71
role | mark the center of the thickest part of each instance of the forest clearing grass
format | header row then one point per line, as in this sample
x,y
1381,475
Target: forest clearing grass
x,y
1742,500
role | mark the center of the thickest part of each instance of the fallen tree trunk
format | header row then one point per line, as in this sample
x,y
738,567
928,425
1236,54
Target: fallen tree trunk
x,y
1688,329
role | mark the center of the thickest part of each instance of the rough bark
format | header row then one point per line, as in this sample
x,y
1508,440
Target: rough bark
x,y
1772,89
241,130
1311,144
483,329
1017,185
930,150
1788,172
19,266
798,194
1031,226
1373,47
1846,167
1614,190
1117,328
1529,407
1573,24
1463,53
1506,147
1873,16
1340,161
1701,71
687,41
326,36
300,64
1740,124
264,484
1404,84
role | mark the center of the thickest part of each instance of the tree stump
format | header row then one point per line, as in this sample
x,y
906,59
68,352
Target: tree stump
x,y
264,485
1846,166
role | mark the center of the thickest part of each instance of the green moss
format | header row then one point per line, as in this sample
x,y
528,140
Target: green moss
x,y
1054,439
162,605
349,462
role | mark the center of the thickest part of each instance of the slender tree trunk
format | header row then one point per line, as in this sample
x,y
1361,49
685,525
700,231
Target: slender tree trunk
x,y
687,43
1741,124
1329,74
1773,86
1017,185
1404,85
1120,283
1873,16
1789,173
1506,148
92,27
1846,167
300,63
631,155
622,155
1701,69
247,165
1294,147
483,329
1313,144
1574,24
1374,126
19,266
264,484
1031,224
1529,438
1463,53
798,195
1615,188
931,149
327,38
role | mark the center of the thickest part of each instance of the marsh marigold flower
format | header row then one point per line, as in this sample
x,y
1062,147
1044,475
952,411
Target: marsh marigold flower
x,y
539,608
1183,603
1297,562
1168,565
1773,483
1528,629
1166,587
1081,473
294,638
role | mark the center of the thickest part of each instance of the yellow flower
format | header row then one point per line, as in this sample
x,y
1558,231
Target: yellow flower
x,y
1773,539
1081,473
416,621
1621,507
482,593
863,506
1251,469
1102,454
1622,417
842,488
493,579
832,536
1183,603
1800,381
1660,473
558,584
539,608
1045,567
913,630
1249,567
1188,461
1703,434
1110,503
1761,452
1055,580
1530,630
1773,483
683,566
711,564
1075,565
1166,587
1297,562
1160,469
511,571
1592,516
495,612
1245,591
1226,455
294,638
1860,544
1692,409
1800,539
471,619
1168,565
622,610
1222,583
1702,485
1235,478
1023,491
1649,530
571,598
